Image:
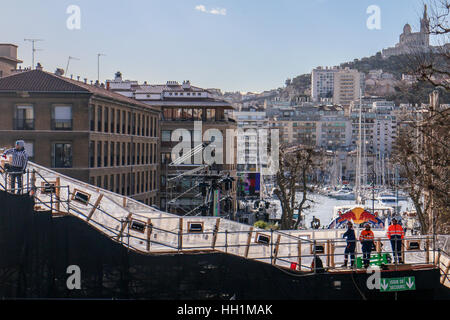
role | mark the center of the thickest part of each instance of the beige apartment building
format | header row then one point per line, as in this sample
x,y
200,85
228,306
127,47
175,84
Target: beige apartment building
x,y
348,84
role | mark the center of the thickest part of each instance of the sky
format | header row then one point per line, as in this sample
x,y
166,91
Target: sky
x,y
233,45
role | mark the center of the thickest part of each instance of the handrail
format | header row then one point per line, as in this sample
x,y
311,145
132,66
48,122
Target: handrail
x,y
286,248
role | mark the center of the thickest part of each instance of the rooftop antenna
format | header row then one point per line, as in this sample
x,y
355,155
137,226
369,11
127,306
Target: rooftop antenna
x,y
68,61
98,65
33,49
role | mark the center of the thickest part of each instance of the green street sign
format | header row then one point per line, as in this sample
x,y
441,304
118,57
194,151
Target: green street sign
x,y
397,284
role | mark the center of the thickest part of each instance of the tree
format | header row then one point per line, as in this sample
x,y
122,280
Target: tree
x,y
296,178
422,153
422,150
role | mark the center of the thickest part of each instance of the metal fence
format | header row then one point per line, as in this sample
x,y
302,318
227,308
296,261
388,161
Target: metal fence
x,y
149,231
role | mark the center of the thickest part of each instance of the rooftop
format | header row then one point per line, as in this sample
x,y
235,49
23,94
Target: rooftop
x,y
39,81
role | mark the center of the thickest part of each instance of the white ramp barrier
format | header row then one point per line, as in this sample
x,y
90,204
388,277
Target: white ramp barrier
x,y
147,230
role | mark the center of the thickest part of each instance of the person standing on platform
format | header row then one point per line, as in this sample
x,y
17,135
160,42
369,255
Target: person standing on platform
x,y
351,244
366,237
18,165
396,234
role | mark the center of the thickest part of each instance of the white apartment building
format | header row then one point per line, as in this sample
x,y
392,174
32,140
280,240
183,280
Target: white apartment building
x,y
248,124
322,82
378,125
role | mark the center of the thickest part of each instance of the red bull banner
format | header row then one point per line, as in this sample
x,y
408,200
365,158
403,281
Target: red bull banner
x,y
357,216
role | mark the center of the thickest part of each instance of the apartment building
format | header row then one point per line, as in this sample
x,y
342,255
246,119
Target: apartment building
x,y
378,126
322,83
348,86
253,127
184,106
83,131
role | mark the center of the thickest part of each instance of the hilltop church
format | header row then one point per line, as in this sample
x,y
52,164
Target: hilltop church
x,y
412,41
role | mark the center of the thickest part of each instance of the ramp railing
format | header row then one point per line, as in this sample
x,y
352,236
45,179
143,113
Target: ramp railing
x,y
147,230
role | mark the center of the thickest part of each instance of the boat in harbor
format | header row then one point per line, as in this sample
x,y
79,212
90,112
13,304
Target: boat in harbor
x,y
345,193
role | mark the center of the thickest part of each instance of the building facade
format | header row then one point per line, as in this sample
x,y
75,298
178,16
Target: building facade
x,y
83,131
8,59
193,109
348,86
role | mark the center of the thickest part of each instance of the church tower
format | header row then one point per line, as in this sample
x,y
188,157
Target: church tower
x,y
425,27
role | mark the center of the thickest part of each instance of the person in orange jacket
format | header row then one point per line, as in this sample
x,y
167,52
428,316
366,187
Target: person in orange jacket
x,y
395,233
366,237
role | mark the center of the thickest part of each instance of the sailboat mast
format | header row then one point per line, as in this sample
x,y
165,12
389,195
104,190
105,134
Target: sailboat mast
x,y
358,164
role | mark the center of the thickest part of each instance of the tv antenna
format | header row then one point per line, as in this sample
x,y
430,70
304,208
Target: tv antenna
x,y
98,65
33,49
68,61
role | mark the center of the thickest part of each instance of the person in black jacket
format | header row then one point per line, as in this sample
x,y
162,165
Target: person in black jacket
x,y
351,245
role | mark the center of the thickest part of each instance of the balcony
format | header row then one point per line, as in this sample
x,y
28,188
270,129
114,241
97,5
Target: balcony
x,y
23,124
62,124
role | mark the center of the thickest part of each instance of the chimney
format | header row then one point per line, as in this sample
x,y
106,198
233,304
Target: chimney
x,y
85,80
39,66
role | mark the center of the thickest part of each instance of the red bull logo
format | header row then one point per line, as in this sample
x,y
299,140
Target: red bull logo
x,y
357,216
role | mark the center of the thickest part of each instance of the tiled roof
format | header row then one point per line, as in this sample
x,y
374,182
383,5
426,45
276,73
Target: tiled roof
x,y
41,81
37,81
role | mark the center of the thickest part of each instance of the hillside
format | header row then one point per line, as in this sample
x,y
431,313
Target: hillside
x,y
396,65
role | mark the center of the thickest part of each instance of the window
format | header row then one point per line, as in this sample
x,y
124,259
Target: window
x,y
105,127
166,135
187,114
198,114
210,114
99,118
166,157
168,114
62,155
29,148
62,118
91,118
24,117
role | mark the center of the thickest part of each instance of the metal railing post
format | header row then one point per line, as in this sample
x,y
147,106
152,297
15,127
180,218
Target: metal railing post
x,y
226,241
271,246
314,258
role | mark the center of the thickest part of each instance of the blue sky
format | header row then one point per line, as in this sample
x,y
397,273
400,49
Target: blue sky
x,y
234,45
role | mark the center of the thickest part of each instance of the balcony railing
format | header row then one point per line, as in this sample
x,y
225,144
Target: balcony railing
x,y
62,124
23,124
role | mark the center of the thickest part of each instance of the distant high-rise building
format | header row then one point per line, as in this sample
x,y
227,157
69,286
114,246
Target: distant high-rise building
x,y
322,83
348,85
